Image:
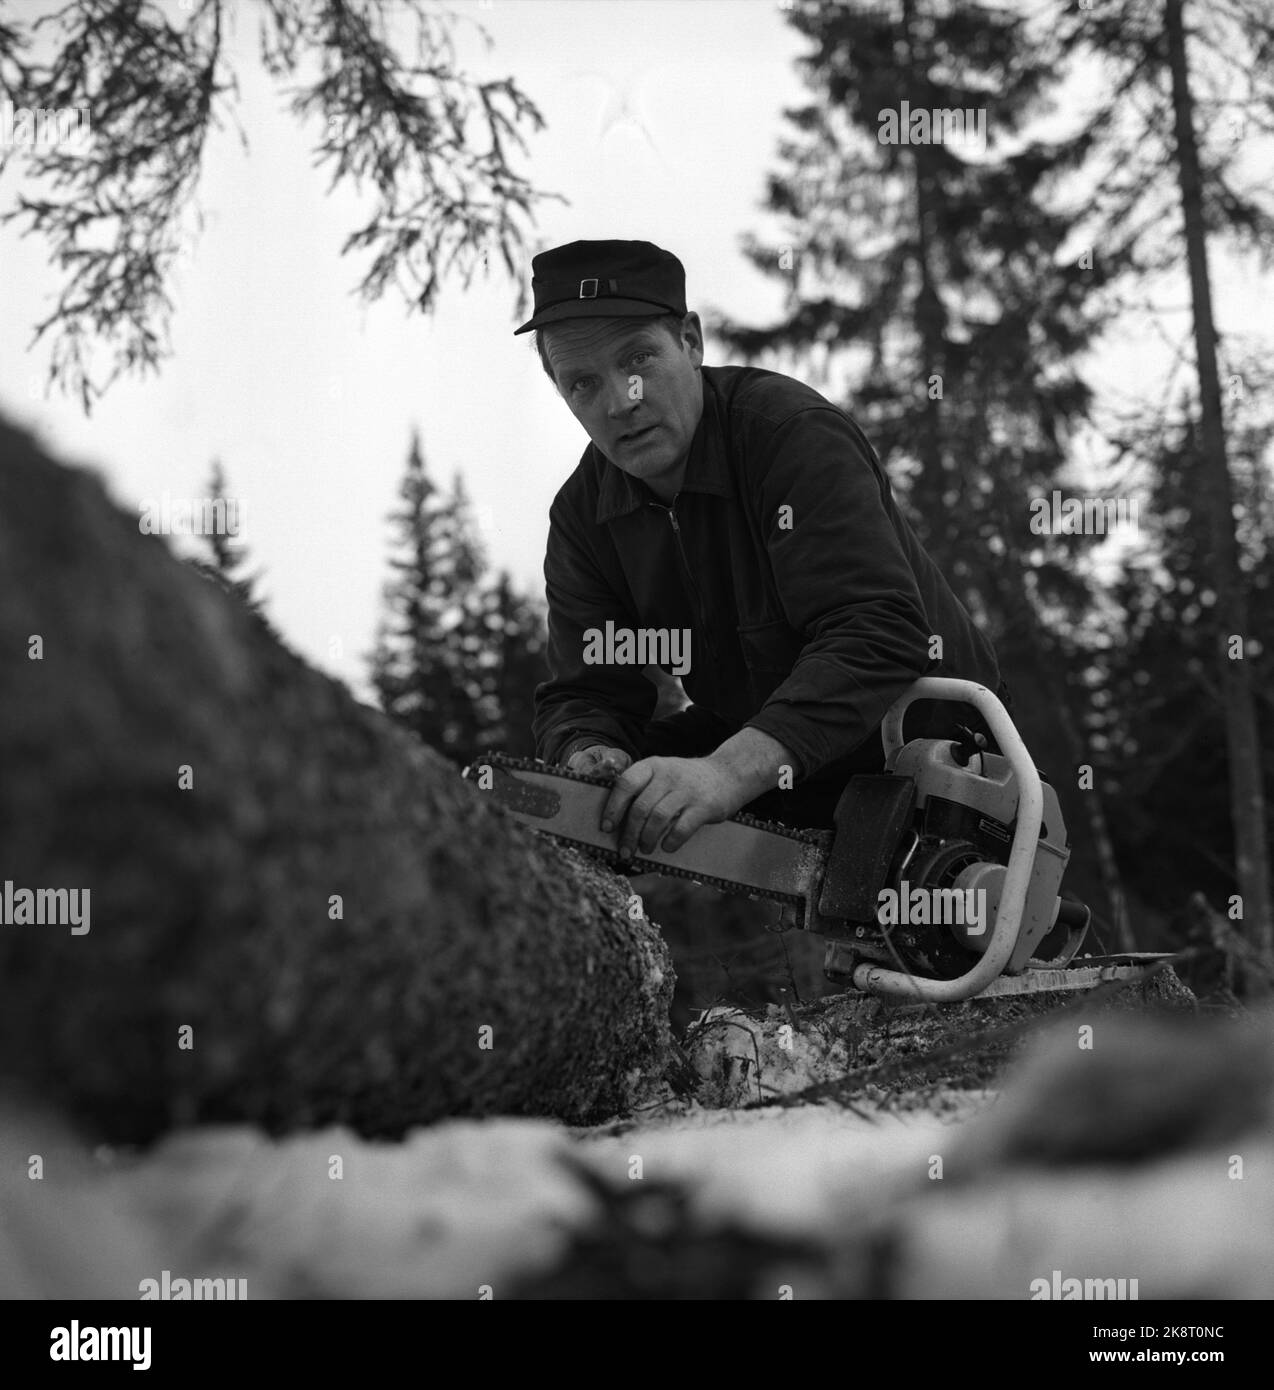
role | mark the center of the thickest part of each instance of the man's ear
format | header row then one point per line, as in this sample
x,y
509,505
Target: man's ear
x,y
692,337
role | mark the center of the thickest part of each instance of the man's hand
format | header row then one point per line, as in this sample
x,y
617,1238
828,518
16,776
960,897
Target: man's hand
x,y
598,759
667,799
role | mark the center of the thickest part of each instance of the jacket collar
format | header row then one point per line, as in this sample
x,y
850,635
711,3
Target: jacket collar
x,y
707,470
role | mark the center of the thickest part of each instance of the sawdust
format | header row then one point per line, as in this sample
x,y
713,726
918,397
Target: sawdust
x,y
906,1057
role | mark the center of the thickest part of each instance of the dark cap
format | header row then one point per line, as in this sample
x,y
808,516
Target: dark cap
x,y
605,279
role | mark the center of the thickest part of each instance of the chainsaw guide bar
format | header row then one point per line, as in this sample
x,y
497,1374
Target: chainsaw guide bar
x,y
778,862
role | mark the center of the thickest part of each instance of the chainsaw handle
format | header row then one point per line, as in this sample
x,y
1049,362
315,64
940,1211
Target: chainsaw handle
x,y
1017,881
958,692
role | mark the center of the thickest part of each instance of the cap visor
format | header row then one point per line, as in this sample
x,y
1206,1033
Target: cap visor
x,y
594,309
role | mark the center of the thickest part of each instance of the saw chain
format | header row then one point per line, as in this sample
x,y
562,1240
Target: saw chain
x,y
819,840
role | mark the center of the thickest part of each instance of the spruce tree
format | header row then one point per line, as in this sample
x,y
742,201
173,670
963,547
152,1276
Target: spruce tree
x,y
229,558
1157,720
457,658
410,667
1191,86
925,291
520,631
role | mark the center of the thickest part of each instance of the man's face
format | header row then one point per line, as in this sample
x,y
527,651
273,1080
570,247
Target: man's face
x,y
637,393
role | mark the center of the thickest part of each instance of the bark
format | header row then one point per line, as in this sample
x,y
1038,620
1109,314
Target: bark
x,y
928,312
1247,795
213,908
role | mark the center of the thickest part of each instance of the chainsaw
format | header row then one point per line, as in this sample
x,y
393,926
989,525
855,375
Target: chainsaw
x,y
939,880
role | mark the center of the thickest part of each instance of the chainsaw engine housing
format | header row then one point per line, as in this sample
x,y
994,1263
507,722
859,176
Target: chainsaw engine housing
x,y
936,833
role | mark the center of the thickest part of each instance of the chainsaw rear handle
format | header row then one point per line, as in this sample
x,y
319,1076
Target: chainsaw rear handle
x,y
876,979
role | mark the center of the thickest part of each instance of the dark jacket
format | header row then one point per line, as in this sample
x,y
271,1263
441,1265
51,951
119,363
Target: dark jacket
x,y
807,624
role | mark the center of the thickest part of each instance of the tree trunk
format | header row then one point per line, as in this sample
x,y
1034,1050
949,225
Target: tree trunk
x,y
928,319
297,913
1049,696
1247,796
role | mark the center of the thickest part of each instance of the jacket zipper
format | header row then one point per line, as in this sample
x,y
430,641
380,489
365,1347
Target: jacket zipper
x,y
695,600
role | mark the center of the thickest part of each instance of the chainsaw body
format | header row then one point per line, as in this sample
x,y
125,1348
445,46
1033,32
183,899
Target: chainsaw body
x,y
919,863
944,870
940,875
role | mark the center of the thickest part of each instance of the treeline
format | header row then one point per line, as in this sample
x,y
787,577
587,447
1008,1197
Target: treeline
x,y
458,651
950,293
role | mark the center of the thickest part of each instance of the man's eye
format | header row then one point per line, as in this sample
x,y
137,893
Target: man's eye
x,y
579,382
642,353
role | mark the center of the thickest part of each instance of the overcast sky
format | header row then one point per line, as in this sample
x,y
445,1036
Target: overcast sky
x,y
662,119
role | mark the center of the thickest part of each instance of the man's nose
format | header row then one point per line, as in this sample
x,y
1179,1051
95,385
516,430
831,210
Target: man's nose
x,y
620,401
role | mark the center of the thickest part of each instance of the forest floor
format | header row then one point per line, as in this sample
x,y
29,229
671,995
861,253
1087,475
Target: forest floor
x,y
838,1150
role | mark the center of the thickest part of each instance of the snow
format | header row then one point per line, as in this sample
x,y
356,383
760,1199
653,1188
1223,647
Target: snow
x,y
912,1195
780,1172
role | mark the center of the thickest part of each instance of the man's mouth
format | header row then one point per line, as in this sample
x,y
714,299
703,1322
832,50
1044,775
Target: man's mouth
x,y
635,436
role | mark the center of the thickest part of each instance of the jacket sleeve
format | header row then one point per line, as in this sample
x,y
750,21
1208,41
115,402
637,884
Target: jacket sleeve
x,y
844,582
582,704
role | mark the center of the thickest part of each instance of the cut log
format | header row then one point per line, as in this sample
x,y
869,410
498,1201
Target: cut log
x,y
297,914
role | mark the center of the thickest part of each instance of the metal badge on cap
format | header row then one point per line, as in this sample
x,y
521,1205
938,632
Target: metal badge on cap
x,y
641,280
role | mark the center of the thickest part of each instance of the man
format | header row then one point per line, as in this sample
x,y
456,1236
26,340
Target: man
x,y
738,509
